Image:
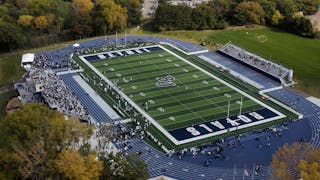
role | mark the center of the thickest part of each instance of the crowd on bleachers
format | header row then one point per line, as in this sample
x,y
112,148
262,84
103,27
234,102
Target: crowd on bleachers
x,y
254,60
96,112
57,95
54,60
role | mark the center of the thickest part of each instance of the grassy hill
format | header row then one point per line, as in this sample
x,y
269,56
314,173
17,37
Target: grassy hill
x,y
300,54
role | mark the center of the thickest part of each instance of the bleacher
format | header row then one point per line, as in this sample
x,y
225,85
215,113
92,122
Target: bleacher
x,y
284,75
92,107
243,70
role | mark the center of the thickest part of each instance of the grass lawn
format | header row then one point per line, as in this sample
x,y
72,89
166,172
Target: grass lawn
x,y
10,68
292,51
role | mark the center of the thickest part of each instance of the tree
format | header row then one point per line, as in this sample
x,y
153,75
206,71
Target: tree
x,y
73,166
3,11
81,18
41,22
249,12
203,17
133,9
221,8
277,18
287,158
287,7
11,36
302,26
114,15
5,14
32,138
25,20
21,3
81,7
269,7
309,171
40,7
309,7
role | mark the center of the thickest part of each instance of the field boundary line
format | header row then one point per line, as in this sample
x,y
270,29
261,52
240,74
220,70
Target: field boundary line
x,y
164,131
263,93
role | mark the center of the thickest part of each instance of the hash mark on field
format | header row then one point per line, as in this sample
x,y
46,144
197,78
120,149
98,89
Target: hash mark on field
x,y
205,82
161,109
216,88
151,101
125,80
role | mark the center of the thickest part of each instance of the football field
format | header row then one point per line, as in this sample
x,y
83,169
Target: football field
x,y
181,98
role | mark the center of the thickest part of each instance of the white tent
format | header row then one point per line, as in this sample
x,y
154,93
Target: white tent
x,y
76,45
27,60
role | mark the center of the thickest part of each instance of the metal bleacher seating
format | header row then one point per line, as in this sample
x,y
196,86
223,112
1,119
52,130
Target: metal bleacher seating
x,y
93,108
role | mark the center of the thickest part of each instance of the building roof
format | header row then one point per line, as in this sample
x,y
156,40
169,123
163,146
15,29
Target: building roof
x,y
27,58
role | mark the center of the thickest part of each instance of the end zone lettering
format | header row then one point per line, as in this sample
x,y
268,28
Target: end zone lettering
x,y
222,124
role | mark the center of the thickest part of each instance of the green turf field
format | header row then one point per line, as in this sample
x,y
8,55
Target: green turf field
x,y
196,97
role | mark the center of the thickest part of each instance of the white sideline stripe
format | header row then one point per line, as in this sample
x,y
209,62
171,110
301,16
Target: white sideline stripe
x,y
164,131
243,78
100,102
263,93
187,53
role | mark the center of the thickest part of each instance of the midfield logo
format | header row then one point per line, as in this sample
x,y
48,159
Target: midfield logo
x,y
165,81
